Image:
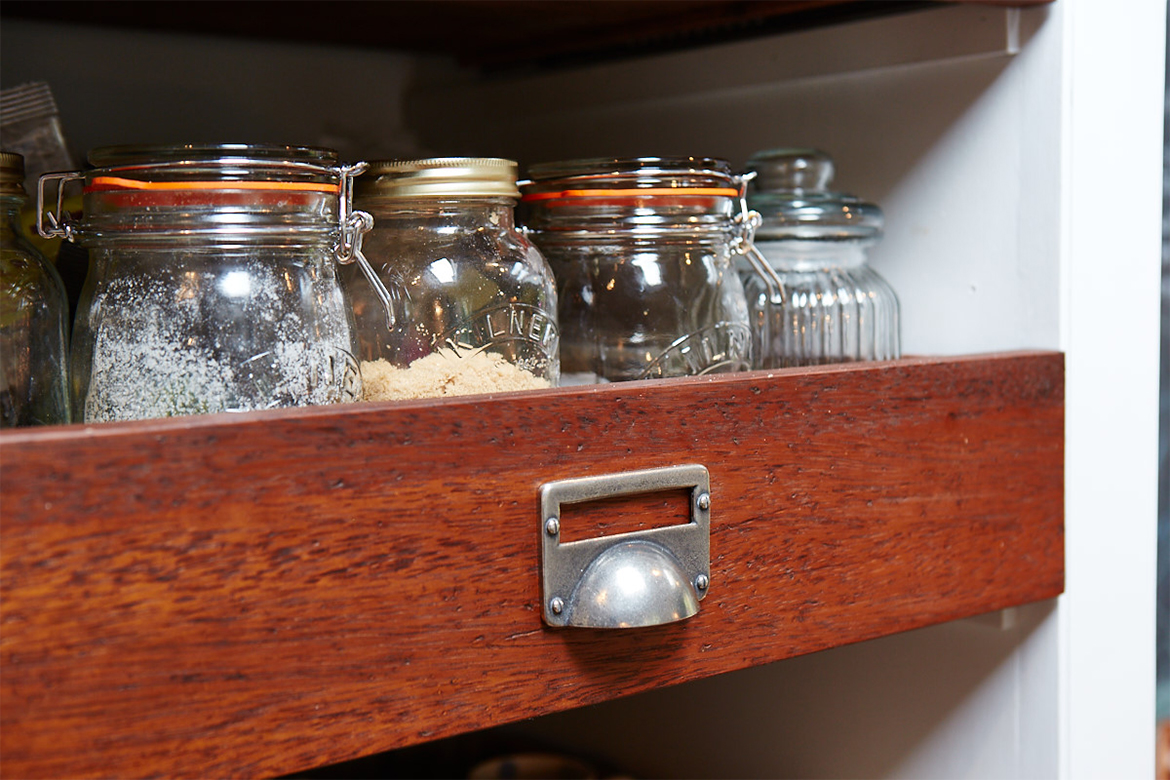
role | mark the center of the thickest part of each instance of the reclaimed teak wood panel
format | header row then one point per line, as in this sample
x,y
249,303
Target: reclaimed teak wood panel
x,y
257,594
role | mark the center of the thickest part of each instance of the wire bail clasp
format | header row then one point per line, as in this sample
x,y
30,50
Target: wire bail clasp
x,y
743,242
59,224
354,224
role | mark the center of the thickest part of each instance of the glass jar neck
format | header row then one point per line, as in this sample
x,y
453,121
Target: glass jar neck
x,y
243,216
429,212
10,224
811,255
717,237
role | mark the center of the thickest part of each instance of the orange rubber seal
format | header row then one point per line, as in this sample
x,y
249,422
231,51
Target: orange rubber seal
x,y
635,192
107,183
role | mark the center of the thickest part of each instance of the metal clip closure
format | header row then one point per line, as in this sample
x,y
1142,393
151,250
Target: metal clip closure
x,y
354,225
60,226
747,222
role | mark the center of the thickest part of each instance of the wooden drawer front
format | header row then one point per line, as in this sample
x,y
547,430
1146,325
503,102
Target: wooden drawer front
x,y
257,594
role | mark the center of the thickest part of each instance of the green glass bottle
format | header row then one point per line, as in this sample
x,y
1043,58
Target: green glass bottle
x,y
34,385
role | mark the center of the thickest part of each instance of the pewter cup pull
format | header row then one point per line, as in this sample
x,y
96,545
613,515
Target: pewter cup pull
x,y
630,580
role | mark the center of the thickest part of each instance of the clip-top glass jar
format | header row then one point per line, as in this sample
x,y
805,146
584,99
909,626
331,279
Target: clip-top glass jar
x,y
832,306
33,345
642,251
213,283
473,302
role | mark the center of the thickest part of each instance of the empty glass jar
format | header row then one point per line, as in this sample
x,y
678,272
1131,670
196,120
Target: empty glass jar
x,y
472,302
33,310
833,307
213,281
642,249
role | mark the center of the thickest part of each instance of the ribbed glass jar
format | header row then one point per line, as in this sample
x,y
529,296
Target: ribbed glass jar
x,y
472,301
213,282
642,250
832,307
34,387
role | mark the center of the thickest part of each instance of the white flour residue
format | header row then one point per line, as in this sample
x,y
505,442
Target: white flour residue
x,y
209,340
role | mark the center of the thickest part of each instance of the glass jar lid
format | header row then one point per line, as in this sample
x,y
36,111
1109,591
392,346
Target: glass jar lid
x,y
11,174
221,162
440,178
245,190
631,192
646,175
791,193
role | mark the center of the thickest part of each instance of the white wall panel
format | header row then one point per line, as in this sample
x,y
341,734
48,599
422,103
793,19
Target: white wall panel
x,y
1114,68
959,145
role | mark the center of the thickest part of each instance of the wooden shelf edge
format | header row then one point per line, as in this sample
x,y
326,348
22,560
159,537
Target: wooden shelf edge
x,y
13,437
265,593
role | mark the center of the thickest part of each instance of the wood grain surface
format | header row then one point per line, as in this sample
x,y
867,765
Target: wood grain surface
x,y
253,595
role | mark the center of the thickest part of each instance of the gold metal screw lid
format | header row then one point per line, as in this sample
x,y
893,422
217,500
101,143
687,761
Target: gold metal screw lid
x,y
441,177
11,174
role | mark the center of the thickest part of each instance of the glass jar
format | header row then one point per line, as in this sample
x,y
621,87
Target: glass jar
x,y
34,388
213,283
832,306
642,251
473,302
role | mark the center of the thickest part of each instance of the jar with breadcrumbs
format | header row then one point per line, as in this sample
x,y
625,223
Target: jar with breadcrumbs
x,y
471,301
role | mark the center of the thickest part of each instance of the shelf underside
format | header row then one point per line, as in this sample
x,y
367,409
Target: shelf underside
x,y
259,594
487,34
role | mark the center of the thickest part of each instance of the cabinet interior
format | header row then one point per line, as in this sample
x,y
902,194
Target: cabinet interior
x,y
944,116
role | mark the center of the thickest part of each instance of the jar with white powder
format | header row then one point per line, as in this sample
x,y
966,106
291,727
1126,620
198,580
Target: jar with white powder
x,y
213,285
472,301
